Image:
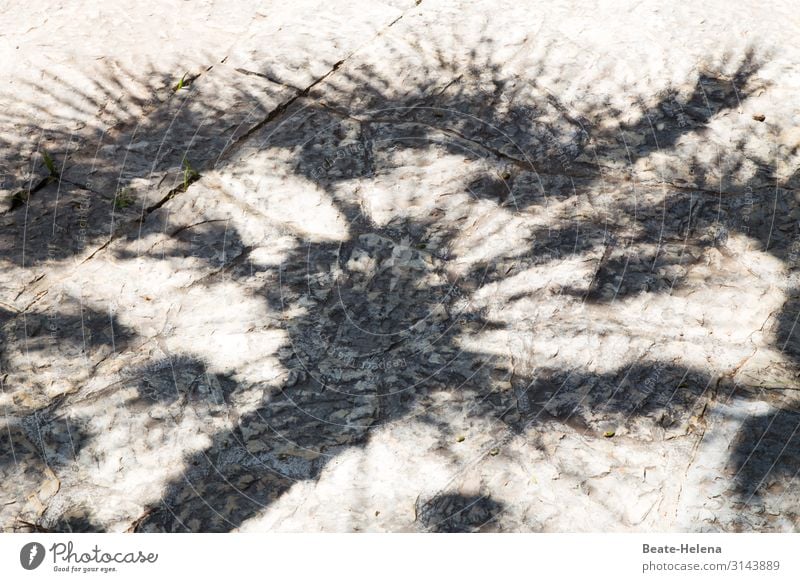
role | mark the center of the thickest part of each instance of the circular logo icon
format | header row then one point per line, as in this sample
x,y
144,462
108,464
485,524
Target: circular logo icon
x,y
31,555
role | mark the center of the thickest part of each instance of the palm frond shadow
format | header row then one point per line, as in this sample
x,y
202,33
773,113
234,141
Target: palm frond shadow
x,y
386,315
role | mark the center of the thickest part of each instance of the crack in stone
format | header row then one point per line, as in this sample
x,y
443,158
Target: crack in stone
x,y
269,78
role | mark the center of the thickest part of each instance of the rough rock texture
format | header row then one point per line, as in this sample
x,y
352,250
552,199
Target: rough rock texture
x,y
400,266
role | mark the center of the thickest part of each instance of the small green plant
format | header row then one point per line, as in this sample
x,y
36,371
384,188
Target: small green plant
x,y
19,198
124,198
51,167
189,174
181,84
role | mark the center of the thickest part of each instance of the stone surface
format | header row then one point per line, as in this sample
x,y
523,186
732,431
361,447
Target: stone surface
x,y
400,266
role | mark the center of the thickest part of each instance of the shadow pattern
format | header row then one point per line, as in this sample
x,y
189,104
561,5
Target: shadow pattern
x,y
381,337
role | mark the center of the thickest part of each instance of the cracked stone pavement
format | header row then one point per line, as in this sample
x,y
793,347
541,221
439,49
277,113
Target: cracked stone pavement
x,y
399,266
